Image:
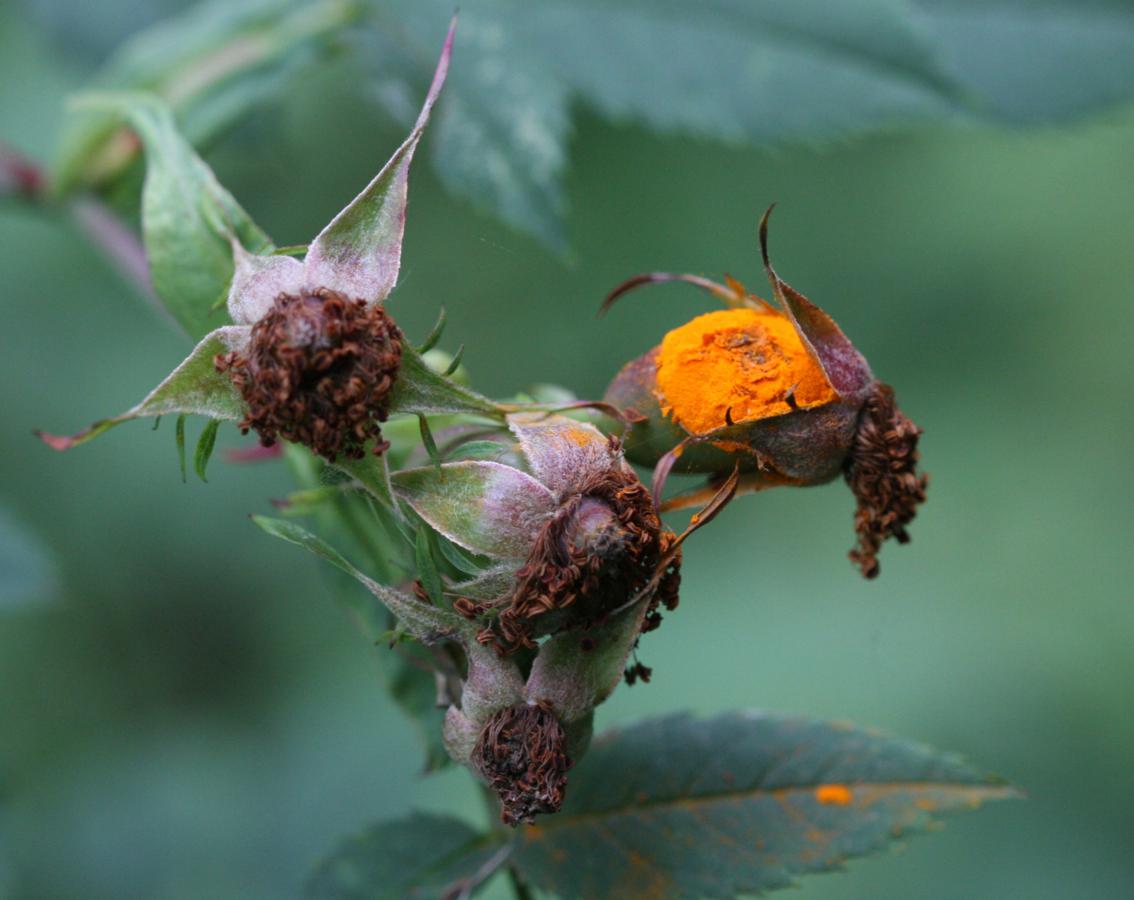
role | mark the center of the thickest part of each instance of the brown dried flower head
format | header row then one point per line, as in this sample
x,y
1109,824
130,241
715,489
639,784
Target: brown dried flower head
x,y
601,548
318,370
522,754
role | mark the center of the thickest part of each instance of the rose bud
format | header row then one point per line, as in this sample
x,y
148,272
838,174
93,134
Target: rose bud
x,y
779,391
572,539
313,355
576,565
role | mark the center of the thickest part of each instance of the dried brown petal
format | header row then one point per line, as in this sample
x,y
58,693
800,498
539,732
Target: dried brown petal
x,y
318,371
522,754
882,472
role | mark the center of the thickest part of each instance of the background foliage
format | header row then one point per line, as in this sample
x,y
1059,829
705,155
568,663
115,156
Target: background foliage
x,y
186,713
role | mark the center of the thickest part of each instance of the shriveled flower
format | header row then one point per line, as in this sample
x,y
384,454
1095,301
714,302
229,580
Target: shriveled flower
x,y
313,355
779,391
522,755
576,567
318,370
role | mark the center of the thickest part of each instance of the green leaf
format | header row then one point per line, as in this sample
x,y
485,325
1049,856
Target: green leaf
x,y
205,444
419,389
1035,62
187,216
741,803
485,507
423,855
426,623
194,387
213,65
746,71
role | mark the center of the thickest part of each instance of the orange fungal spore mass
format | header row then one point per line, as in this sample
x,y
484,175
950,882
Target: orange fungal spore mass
x,y
738,365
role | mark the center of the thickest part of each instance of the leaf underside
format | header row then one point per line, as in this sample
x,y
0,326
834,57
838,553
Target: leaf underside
x,y
747,71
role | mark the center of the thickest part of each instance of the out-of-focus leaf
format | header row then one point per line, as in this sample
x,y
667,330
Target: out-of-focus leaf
x,y
28,575
195,387
742,803
423,855
188,217
1034,62
753,71
414,689
213,64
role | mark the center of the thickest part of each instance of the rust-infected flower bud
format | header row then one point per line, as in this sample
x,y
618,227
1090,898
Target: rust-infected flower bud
x,y
522,754
779,392
318,370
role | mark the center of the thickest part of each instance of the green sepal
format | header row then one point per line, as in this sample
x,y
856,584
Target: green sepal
x,y
194,387
205,444
419,389
425,622
179,438
359,252
427,571
491,509
187,216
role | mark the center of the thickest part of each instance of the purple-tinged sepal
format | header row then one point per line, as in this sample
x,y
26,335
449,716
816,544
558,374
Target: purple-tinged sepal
x,y
359,252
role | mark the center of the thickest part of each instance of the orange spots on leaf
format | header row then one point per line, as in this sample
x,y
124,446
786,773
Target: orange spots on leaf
x,y
838,794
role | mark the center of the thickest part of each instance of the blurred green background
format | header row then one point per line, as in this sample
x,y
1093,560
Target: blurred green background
x,y
189,715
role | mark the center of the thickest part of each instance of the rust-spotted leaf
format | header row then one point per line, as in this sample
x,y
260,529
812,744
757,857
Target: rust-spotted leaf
x,y
738,804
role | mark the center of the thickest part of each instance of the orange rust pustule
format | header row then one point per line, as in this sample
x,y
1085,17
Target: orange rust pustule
x,y
881,470
318,370
737,365
602,547
522,754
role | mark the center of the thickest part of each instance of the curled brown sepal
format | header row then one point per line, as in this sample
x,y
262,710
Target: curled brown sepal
x,y
881,470
845,368
731,294
522,754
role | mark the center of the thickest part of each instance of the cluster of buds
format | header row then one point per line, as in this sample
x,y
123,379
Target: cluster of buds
x,y
778,392
577,565
569,563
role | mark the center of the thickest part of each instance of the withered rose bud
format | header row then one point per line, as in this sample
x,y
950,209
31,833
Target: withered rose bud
x,y
601,548
318,370
781,393
522,755
311,355
573,542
